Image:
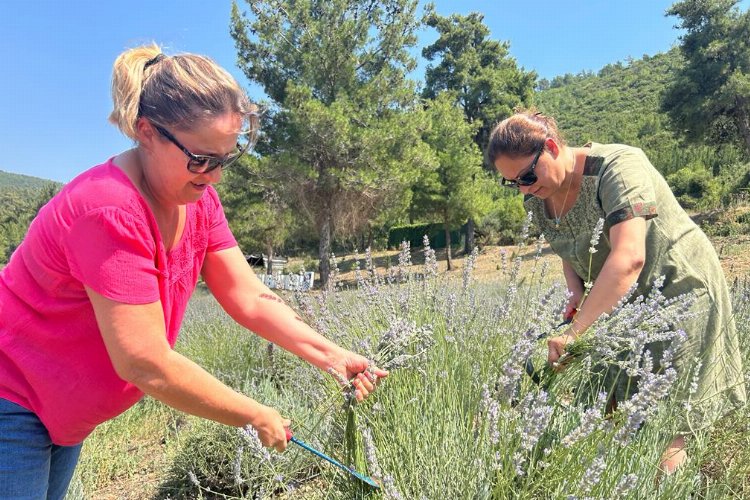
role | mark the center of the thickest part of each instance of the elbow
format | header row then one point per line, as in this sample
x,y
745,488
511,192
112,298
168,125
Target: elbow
x,y
635,263
146,373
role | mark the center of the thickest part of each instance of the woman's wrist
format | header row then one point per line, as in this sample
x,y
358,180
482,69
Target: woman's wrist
x,y
577,326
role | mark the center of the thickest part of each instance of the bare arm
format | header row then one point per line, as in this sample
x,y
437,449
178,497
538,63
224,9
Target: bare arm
x,y
254,306
620,271
135,338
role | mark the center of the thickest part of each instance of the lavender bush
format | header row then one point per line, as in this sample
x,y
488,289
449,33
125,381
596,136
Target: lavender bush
x,y
458,417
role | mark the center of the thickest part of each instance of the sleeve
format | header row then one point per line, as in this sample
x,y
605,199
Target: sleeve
x,y
113,253
220,237
626,190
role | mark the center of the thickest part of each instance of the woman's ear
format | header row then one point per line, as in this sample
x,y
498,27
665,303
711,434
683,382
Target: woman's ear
x,y
145,131
552,147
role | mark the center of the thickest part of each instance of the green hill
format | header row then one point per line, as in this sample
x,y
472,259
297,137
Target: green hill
x,y
21,197
11,180
622,103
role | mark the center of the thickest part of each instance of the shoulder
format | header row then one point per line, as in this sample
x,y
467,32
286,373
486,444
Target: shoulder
x,y
608,158
104,186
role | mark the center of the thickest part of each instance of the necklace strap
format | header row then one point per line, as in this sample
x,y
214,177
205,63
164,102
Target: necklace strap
x,y
567,192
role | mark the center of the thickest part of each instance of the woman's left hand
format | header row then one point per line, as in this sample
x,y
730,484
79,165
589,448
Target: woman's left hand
x,y
359,371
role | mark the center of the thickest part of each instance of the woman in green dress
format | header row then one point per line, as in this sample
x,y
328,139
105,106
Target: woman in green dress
x,y
646,235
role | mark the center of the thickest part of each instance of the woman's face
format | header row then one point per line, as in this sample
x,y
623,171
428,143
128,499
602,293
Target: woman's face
x,y
537,174
169,180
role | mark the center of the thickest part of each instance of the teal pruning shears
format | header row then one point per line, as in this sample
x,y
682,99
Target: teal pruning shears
x,y
338,464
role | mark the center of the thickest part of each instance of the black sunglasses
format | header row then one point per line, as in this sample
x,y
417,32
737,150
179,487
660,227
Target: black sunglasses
x,y
202,164
528,177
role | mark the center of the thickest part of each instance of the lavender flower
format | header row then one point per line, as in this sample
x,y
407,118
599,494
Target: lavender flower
x,y
591,421
404,344
193,479
371,454
390,492
653,388
625,485
237,465
593,474
596,235
539,247
696,374
333,276
250,437
430,260
469,267
519,460
525,229
535,415
404,261
510,372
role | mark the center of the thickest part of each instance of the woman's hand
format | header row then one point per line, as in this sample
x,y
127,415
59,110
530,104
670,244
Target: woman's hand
x,y
556,348
271,427
357,369
571,308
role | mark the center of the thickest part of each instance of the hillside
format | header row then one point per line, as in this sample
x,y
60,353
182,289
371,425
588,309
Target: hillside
x,y
622,103
11,180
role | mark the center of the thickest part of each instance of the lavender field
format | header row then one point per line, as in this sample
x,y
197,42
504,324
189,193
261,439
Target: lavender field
x,y
459,417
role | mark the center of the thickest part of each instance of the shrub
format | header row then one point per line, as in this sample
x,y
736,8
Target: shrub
x,y
503,223
695,188
415,233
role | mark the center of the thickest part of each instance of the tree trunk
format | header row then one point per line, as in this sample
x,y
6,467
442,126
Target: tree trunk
x,y
269,266
448,246
469,245
324,249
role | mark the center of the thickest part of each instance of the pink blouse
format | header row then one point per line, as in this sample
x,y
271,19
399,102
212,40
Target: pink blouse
x,y
99,232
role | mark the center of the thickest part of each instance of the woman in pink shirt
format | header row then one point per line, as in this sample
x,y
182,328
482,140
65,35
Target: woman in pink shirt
x,y
91,302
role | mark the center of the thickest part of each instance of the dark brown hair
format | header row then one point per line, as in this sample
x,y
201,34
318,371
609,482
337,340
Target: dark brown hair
x,y
522,134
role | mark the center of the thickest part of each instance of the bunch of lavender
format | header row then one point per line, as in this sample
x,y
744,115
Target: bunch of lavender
x,y
632,325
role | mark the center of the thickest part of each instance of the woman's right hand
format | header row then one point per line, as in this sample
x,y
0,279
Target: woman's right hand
x,y
571,308
271,427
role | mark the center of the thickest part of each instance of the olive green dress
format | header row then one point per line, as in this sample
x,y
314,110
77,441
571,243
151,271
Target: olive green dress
x,y
620,183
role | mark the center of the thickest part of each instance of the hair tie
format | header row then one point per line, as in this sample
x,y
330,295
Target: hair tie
x,y
155,60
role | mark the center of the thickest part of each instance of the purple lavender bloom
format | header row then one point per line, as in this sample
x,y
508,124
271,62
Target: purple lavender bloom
x,y
625,486
535,415
371,454
591,421
390,492
593,474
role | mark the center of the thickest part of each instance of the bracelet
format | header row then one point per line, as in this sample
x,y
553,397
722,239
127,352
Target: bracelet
x,y
581,325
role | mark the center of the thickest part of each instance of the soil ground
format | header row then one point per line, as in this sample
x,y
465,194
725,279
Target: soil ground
x,y
733,252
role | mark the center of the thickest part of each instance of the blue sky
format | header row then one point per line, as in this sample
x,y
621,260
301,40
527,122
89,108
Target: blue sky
x,y
57,57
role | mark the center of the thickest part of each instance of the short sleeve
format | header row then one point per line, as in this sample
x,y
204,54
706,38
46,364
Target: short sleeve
x,y
626,190
220,237
114,254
